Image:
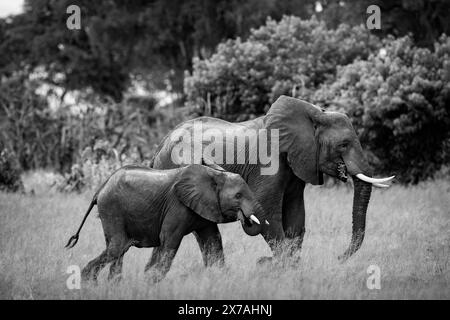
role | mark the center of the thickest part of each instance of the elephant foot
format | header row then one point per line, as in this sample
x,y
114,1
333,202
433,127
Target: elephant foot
x,y
264,261
292,262
89,280
89,275
217,263
280,262
86,275
115,279
154,275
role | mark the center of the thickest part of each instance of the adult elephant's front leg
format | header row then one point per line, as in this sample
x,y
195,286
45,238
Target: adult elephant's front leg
x,y
274,236
294,215
210,243
273,233
270,197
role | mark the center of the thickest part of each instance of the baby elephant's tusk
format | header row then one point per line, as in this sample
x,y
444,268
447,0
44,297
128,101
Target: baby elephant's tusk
x,y
373,180
267,222
381,185
255,219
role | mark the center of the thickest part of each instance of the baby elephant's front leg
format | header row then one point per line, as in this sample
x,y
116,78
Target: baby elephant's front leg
x,y
163,255
160,262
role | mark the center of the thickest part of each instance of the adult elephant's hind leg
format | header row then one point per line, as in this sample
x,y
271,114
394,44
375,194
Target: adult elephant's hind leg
x,y
294,215
210,243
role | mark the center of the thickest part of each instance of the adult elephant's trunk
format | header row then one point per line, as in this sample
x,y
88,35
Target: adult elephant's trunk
x,y
361,197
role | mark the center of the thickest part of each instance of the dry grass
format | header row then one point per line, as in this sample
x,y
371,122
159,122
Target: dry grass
x,y
407,237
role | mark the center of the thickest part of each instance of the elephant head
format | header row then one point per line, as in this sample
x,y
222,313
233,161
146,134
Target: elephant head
x,y
219,196
317,142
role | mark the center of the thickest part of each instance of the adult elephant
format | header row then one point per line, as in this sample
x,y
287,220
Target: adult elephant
x,y
311,142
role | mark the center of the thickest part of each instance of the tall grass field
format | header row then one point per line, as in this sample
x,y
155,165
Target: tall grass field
x,y
407,238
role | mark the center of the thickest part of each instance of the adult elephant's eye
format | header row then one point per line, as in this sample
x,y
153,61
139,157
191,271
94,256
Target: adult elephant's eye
x,y
238,195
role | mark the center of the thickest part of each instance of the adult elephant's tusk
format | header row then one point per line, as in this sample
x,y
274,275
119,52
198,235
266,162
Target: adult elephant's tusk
x,y
380,185
267,222
255,219
373,180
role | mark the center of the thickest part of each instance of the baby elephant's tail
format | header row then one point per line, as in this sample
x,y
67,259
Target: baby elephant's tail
x,y
74,239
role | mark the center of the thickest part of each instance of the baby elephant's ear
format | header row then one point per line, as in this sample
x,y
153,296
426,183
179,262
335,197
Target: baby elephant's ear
x,y
198,188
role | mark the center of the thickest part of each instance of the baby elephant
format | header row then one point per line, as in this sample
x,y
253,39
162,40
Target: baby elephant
x,y
145,207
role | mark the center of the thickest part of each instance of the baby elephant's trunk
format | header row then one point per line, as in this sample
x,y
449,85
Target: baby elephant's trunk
x,y
255,219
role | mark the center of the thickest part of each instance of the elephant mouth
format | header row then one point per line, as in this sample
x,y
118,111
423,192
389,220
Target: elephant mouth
x,y
250,226
243,219
342,171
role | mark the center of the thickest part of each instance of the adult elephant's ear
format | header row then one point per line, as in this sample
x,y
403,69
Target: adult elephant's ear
x,y
206,161
296,119
198,188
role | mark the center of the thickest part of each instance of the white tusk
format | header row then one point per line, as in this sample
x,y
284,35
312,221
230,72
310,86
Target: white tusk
x,y
267,222
373,180
253,218
380,185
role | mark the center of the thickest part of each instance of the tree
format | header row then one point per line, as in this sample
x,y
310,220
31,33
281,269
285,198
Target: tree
x,y
292,56
425,20
156,39
398,99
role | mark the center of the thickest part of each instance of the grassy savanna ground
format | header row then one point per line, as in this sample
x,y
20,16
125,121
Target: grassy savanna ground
x,y
408,237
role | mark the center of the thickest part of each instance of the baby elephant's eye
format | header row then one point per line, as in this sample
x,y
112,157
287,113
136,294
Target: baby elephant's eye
x,y
238,195
344,145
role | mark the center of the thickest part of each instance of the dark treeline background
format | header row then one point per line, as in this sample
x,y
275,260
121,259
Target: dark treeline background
x,y
158,39
137,68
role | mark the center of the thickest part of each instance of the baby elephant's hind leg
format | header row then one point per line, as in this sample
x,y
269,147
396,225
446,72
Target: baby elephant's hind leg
x,y
91,270
113,252
115,270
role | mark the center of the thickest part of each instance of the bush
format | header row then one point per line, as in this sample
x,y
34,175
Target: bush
x,y
95,166
399,102
243,78
33,132
9,172
44,136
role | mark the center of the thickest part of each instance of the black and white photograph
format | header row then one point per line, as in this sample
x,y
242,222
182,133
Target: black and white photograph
x,y
221,150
